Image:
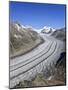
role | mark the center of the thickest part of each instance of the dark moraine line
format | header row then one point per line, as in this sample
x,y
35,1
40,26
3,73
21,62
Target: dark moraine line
x,y
32,60
34,65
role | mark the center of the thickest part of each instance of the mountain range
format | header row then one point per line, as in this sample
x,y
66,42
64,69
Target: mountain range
x,y
25,38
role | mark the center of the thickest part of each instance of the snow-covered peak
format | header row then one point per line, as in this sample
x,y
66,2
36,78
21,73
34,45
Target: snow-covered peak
x,y
46,27
17,26
47,30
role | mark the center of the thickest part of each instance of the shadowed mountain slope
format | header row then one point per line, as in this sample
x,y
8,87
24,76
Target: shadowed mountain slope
x,y
60,34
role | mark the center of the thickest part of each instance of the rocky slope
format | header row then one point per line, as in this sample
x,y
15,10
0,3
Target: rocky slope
x,y
22,39
60,34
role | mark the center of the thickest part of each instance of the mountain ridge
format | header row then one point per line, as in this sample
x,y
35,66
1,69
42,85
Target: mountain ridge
x,y
22,39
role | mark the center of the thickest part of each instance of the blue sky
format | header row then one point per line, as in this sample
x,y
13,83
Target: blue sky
x,y
38,15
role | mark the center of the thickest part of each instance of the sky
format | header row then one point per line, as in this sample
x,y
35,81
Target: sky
x,y
37,15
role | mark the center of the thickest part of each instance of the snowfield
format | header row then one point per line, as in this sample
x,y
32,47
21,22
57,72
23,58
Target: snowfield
x,y
27,66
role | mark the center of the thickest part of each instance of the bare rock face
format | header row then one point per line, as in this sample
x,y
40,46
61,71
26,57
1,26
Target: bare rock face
x,y
22,39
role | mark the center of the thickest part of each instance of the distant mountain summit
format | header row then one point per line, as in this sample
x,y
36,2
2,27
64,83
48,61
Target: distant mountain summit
x,y
47,30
